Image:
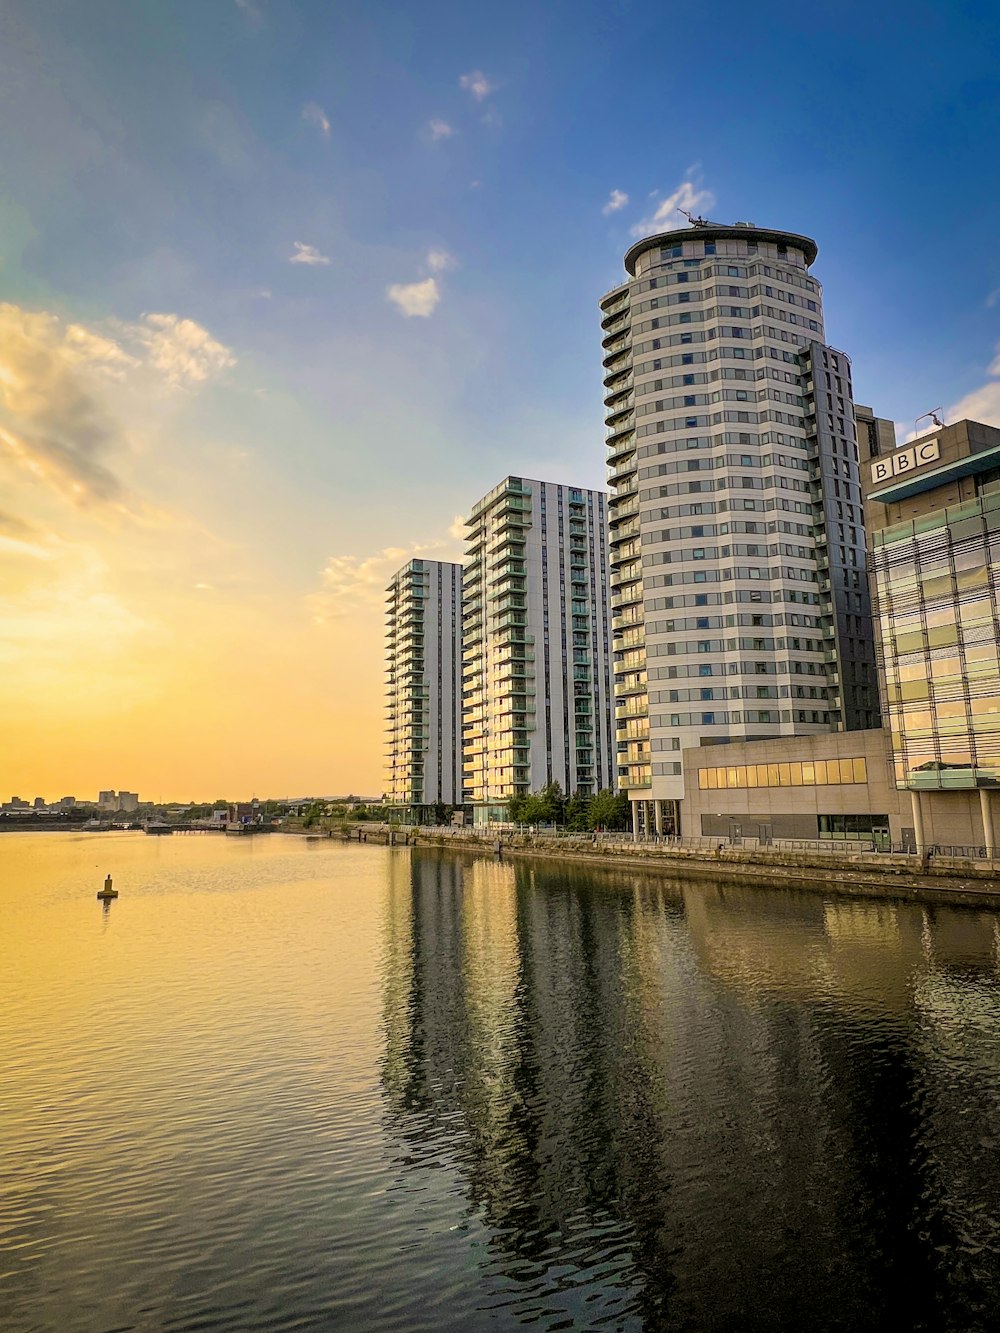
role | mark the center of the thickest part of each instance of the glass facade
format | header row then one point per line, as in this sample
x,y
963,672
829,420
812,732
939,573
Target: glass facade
x,y
820,773
938,630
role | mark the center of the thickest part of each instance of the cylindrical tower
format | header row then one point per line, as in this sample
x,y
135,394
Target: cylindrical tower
x,y
722,626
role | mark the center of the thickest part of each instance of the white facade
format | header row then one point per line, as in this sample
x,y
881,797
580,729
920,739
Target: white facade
x,y
737,550
536,687
423,684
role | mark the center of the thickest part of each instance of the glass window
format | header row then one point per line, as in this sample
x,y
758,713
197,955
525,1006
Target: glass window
x,y
860,771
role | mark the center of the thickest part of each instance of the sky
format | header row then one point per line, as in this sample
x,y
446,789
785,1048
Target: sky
x,y
287,285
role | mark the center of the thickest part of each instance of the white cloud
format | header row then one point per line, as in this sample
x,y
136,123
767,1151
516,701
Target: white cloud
x,y
993,298
616,200
668,216
307,254
458,530
982,404
313,114
440,129
183,351
476,83
253,10
86,347
357,583
415,298
440,261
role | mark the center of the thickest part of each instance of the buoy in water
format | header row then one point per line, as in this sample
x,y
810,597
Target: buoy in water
x,y
107,893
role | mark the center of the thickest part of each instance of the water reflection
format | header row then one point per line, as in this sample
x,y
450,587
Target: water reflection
x,y
693,1106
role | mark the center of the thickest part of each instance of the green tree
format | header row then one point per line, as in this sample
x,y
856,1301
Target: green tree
x,y
577,812
552,804
315,812
515,809
608,811
440,812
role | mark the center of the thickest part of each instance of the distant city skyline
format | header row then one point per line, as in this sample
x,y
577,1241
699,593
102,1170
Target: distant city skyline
x,y
283,289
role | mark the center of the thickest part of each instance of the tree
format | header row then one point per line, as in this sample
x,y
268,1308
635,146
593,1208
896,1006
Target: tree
x,y
551,804
608,811
577,812
315,811
440,812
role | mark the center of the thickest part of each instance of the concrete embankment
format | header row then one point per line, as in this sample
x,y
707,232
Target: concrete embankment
x,y
870,874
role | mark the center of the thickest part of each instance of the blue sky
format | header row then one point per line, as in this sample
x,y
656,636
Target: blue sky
x,y
171,158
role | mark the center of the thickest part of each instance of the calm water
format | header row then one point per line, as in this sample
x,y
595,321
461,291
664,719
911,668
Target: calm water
x,y
294,1085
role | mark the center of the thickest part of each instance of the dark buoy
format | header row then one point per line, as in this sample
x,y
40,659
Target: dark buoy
x,y
107,893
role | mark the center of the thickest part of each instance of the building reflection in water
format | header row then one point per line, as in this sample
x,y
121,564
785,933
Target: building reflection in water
x,y
672,1103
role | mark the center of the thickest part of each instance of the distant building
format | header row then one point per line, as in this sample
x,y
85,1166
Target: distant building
x,y
107,800
39,803
67,802
424,686
536,686
128,801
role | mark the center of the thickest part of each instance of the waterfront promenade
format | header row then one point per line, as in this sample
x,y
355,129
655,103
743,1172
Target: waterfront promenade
x,y
854,866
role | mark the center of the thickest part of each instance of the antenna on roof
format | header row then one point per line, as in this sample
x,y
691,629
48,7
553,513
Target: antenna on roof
x,y
933,414
695,222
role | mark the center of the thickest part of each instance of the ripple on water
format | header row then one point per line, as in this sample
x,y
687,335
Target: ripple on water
x,y
301,1086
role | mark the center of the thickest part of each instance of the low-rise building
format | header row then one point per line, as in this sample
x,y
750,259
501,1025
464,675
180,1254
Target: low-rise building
x,y
932,510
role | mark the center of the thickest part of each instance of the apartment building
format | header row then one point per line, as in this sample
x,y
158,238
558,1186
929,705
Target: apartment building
x,y
740,604
423,686
536,664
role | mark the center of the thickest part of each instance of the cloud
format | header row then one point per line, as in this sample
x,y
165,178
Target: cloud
x,y
477,84
440,129
458,530
982,404
51,424
616,200
313,114
440,261
415,298
993,298
253,10
354,583
181,350
668,216
307,254
54,422
83,345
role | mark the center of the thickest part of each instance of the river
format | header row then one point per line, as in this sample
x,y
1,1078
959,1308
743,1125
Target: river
x,y
289,1084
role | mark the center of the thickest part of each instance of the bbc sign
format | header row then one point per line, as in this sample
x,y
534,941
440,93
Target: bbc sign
x,y
905,460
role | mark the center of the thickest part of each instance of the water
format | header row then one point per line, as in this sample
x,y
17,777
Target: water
x,y
299,1085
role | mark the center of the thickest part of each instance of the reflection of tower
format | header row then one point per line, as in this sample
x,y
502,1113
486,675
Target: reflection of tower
x,y
718,1099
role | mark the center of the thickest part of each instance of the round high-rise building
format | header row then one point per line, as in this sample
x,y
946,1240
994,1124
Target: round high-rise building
x,y
739,601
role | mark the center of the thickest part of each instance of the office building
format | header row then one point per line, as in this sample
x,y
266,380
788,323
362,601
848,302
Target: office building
x,y
740,606
536,669
933,516
423,687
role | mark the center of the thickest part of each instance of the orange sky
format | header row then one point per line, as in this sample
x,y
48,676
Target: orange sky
x,y
171,622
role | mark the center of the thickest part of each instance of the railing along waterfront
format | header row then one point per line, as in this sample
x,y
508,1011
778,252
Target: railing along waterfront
x,y
528,834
